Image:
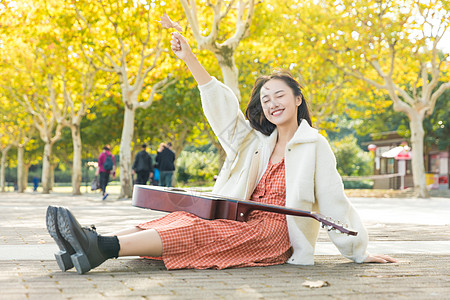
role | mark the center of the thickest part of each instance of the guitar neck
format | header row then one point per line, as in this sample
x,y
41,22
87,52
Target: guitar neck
x,y
246,206
252,205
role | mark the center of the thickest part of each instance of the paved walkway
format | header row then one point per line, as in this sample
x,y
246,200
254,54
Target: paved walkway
x,y
415,231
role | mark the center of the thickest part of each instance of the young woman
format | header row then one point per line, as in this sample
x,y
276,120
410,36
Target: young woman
x,y
274,157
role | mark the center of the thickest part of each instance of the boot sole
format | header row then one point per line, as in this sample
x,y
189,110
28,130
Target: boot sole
x,y
63,255
79,258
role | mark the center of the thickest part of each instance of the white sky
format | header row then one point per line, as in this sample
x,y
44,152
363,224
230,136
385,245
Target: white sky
x,y
445,42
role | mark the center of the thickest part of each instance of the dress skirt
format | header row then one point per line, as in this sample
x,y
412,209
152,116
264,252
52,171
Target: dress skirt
x,y
191,242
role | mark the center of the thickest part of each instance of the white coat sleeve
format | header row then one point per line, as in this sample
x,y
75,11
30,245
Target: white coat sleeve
x,y
332,202
221,108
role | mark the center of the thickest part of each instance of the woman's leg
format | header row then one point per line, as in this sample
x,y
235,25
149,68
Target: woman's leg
x,y
124,231
141,243
137,241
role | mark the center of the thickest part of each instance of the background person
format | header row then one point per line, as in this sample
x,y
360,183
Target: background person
x,y
35,183
165,158
106,165
143,165
154,178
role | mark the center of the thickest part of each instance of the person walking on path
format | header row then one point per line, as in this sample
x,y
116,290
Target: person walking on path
x,y
165,159
35,183
143,165
106,166
274,157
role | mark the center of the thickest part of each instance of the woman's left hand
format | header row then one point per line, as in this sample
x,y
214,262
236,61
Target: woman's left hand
x,y
379,258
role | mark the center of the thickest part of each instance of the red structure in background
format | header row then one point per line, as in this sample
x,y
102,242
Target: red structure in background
x,y
392,157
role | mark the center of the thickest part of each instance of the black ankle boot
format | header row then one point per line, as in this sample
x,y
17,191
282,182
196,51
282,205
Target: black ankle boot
x,y
83,240
65,249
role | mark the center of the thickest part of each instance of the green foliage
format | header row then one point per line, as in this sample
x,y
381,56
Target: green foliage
x,y
173,117
436,126
197,167
360,184
103,126
35,171
351,159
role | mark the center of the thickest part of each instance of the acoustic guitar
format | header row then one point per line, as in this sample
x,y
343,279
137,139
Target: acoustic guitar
x,y
210,206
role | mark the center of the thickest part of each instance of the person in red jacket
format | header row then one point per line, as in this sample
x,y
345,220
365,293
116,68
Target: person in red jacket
x,y
106,166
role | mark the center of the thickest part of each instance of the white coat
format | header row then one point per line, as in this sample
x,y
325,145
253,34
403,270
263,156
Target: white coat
x,y
312,181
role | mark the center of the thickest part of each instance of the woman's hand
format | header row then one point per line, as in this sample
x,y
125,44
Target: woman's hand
x,y
379,258
181,49
180,46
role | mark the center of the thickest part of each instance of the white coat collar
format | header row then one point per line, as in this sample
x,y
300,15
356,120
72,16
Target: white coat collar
x,y
304,134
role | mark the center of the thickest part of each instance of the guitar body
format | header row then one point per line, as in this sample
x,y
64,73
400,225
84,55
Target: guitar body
x,y
210,207
171,199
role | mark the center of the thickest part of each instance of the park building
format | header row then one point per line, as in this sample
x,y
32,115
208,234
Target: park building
x,y
392,163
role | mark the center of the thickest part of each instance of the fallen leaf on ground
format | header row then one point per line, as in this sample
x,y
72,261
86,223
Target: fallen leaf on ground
x,y
315,284
167,23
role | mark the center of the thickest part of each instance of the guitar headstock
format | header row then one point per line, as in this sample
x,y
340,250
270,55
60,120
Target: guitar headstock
x,y
331,224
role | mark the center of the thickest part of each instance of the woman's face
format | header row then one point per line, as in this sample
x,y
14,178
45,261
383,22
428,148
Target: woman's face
x,y
279,103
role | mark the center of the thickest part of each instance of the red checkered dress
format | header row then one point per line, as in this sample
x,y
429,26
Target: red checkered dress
x,y
192,242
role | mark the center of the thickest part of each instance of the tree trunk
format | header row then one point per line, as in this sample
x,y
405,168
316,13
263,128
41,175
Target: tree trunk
x,y
418,165
20,172
26,167
3,168
77,168
126,184
45,177
229,71
52,177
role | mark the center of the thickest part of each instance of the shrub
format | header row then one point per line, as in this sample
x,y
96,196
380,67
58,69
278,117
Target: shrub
x,y
197,167
351,159
361,184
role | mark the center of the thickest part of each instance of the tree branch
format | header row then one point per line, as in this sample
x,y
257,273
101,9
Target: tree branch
x,y
391,69
153,65
436,95
359,75
80,16
157,88
242,25
190,10
68,99
90,60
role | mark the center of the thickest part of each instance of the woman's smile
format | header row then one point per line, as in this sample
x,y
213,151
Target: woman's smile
x,y
277,112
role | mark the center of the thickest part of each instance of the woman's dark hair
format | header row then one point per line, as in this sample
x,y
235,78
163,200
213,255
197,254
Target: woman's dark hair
x,y
254,111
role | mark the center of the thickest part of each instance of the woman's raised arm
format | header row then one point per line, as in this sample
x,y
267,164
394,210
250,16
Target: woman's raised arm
x,y
182,50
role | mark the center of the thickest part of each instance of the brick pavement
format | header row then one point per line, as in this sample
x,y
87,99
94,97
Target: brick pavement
x,y
416,276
